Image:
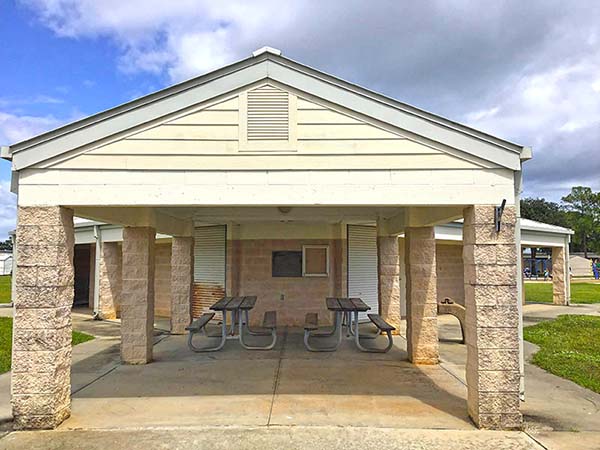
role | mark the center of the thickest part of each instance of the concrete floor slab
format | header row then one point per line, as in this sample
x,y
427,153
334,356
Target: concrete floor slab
x,y
539,312
551,402
365,393
261,394
564,440
289,438
287,385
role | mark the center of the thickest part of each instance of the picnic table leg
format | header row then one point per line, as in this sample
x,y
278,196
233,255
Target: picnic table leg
x,y
348,315
233,317
250,330
363,336
273,334
339,329
209,349
370,350
336,324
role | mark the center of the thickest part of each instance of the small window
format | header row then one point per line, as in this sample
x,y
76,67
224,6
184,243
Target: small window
x,y
315,260
286,264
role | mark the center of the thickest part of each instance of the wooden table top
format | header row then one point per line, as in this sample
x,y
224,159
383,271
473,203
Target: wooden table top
x,y
233,303
346,304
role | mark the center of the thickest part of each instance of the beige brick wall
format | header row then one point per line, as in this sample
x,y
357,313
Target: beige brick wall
x,y
182,278
162,281
450,272
492,318
421,295
41,351
137,301
111,268
559,276
301,295
388,272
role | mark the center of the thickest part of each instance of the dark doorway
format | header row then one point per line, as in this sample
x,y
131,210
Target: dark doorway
x,y
82,261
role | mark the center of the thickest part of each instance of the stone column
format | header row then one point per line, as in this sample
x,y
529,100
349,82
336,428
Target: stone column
x,y
388,272
109,297
523,296
44,286
492,318
421,295
182,279
560,276
137,295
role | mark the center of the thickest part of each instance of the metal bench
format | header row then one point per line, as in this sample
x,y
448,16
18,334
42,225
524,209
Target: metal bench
x,y
199,326
447,306
269,327
383,327
311,324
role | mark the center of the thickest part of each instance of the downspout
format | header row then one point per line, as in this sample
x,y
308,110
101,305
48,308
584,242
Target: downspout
x,y
518,190
98,238
13,284
567,270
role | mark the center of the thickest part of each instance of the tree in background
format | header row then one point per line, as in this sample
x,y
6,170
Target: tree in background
x,y
541,210
583,215
6,245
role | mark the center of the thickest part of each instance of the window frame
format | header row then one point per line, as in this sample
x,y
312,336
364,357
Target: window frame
x,y
315,246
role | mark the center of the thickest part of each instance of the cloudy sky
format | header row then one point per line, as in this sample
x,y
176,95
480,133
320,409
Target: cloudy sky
x,y
527,71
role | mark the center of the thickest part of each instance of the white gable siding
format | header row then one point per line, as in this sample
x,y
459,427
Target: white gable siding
x,y
202,156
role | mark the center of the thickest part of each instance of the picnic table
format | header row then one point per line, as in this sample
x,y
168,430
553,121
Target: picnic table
x,y
346,312
239,308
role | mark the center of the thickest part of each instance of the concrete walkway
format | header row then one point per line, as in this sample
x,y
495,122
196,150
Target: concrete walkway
x,y
263,438
289,398
557,412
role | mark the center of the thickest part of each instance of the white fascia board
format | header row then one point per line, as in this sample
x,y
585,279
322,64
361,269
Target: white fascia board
x,y
448,232
391,115
435,118
135,117
542,239
5,153
267,66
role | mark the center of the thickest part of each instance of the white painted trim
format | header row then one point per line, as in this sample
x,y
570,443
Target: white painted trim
x,y
306,274
244,73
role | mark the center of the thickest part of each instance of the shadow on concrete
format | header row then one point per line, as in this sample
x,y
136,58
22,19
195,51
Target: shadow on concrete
x,y
287,385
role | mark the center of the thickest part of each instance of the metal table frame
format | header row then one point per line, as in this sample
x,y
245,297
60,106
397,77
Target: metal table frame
x,y
346,312
239,308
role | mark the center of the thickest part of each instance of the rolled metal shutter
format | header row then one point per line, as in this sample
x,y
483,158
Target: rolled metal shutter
x,y
362,266
209,267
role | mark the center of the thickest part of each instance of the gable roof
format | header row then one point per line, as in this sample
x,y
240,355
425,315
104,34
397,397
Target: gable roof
x,y
265,64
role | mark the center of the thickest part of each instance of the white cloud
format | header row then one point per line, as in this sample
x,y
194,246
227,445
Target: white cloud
x,y
15,128
36,100
8,209
183,39
542,105
458,59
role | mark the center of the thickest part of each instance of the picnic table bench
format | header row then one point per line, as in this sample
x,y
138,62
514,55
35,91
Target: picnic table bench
x,y
346,312
239,308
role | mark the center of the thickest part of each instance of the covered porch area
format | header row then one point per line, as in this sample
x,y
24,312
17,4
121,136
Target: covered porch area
x,y
284,387
263,173
286,384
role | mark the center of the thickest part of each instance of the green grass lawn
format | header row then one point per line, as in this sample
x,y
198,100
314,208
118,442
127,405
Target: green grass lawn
x,y
580,292
4,288
569,347
6,342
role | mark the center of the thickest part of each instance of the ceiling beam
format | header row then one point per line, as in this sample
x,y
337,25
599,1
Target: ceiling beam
x,y
138,217
419,217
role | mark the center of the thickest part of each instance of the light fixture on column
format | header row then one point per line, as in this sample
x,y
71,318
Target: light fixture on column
x,y
498,215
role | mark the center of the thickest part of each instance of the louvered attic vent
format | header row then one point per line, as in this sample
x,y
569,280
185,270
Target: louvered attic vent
x,y
268,114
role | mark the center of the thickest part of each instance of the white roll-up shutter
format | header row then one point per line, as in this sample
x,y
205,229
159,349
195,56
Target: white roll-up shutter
x,y
362,265
209,267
